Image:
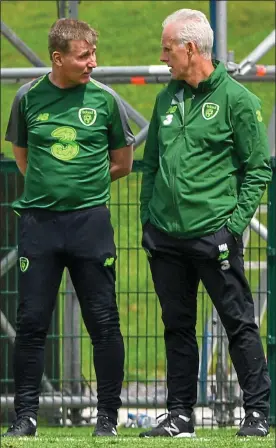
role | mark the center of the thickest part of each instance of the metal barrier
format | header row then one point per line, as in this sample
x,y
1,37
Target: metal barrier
x,y
69,384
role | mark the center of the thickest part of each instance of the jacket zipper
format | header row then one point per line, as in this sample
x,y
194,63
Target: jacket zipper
x,y
180,105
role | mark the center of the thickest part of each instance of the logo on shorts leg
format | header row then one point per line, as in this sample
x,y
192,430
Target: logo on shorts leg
x,y
109,261
223,257
23,264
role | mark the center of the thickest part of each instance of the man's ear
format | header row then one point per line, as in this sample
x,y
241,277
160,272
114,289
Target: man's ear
x,y
189,48
57,58
192,48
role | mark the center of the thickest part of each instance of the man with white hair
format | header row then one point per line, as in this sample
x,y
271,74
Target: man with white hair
x,y
206,166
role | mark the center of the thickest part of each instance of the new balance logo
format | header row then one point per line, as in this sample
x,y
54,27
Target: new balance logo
x,y
173,429
223,247
262,428
43,117
109,261
171,110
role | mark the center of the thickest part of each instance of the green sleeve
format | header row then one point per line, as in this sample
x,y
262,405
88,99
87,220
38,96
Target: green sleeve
x,y
150,166
252,149
17,132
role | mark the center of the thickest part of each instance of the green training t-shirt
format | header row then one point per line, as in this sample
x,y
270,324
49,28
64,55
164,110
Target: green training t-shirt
x,y
68,133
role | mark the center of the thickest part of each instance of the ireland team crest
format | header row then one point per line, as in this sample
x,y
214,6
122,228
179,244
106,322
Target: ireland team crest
x,y
209,110
87,116
24,264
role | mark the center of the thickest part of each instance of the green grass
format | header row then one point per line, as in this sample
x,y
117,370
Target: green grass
x,y
130,36
128,438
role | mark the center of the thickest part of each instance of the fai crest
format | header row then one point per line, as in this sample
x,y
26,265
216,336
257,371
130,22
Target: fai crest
x,y
87,116
209,110
24,264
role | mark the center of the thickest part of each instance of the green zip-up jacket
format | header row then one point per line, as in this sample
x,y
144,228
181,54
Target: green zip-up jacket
x,y
206,158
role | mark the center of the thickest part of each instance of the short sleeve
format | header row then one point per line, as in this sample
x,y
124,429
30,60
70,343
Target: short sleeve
x,y
17,132
119,132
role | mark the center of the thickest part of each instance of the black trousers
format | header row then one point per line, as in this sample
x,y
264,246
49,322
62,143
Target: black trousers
x,y
83,242
177,265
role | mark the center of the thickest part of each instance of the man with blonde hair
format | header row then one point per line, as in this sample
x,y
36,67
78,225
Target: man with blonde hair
x,y
71,139
206,166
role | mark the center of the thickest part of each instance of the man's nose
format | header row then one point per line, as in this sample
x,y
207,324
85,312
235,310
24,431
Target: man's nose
x,y
92,62
163,57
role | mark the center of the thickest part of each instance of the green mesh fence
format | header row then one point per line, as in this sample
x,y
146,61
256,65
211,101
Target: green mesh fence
x,y
69,385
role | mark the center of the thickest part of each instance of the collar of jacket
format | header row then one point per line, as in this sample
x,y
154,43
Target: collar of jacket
x,y
209,84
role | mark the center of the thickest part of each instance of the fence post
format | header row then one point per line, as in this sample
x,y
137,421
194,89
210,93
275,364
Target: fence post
x,y
271,290
71,348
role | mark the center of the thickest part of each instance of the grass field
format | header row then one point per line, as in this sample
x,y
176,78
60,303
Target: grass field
x,y
128,438
130,35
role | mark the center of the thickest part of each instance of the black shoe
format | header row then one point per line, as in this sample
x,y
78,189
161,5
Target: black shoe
x,y
175,425
254,424
23,427
105,427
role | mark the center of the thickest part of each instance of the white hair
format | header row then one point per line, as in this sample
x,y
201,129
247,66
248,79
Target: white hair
x,y
193,27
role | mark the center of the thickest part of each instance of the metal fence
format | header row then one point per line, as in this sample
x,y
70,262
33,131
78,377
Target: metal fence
x,y
69,384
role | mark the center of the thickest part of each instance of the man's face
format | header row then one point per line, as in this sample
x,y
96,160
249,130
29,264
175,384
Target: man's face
x,y
173,54
77,64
